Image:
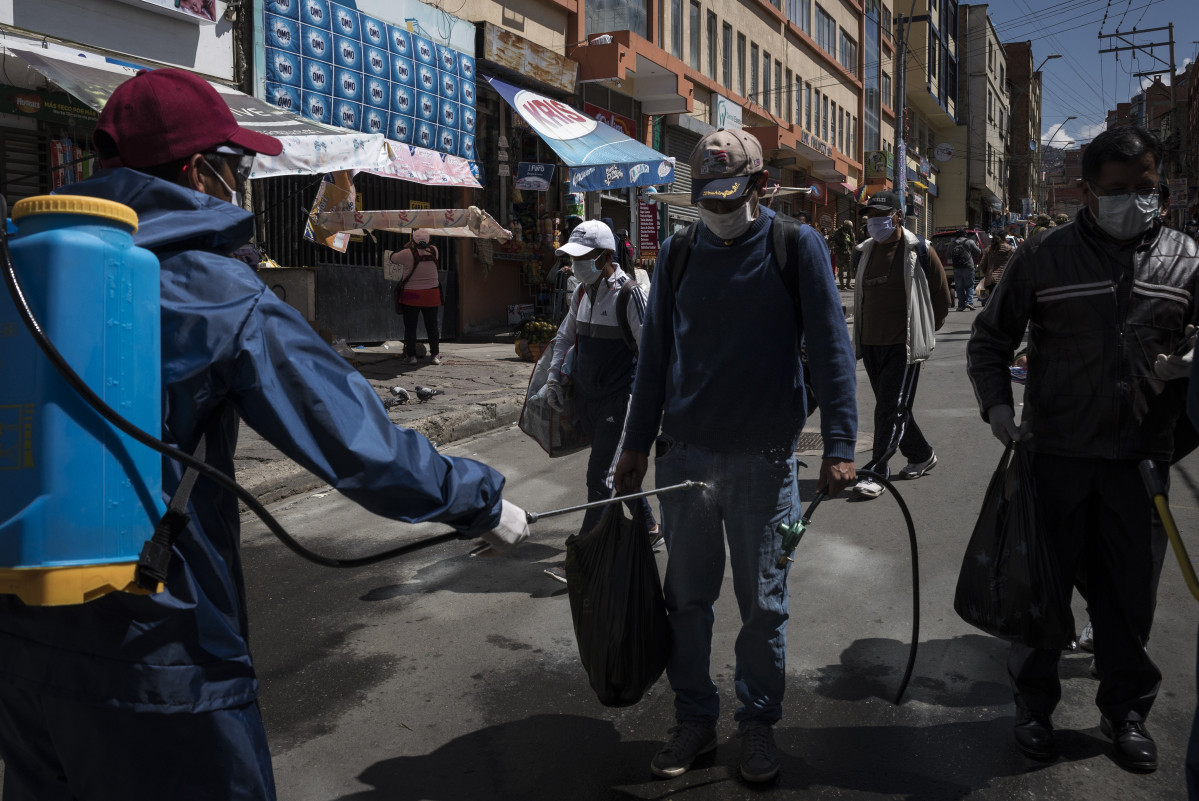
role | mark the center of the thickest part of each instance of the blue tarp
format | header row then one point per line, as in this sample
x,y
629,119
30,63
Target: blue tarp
x,y
599,157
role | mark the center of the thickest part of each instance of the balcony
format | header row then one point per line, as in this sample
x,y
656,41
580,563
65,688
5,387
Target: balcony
x,y
639,69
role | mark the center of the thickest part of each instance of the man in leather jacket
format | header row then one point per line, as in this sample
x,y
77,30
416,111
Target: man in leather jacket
x,y
1107,301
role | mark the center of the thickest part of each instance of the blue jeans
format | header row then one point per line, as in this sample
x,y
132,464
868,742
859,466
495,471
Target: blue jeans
x,y
748,496
963,283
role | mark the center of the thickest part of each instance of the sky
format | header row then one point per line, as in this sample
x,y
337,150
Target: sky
x,y
1082,83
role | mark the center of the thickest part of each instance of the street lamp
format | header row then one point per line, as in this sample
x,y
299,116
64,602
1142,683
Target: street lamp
x,y
1049,57
1059,127
1048,142
1037,187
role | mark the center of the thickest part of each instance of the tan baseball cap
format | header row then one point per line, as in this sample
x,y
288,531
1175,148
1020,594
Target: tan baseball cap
x,y
722,163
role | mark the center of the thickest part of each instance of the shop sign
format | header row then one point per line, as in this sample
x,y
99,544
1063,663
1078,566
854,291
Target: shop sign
x,y
819,145
880,164
200,11
504,171
819,193
647,227
613,120
924,170
551,118
43,106
918,198
1178,193
725,113
534,176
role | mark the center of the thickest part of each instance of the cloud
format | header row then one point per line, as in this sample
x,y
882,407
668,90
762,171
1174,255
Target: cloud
x,y
1060,140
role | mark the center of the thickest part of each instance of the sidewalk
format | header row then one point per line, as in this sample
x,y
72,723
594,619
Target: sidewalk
x,y
484,387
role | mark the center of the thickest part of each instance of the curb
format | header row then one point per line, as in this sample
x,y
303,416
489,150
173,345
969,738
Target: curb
x,y
282,478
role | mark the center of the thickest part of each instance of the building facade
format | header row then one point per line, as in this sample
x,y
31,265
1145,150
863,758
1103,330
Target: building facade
x,y
1024,131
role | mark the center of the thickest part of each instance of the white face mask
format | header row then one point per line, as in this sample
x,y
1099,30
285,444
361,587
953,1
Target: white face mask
x,y
234,195
586,271
1125,217
731,225
880,228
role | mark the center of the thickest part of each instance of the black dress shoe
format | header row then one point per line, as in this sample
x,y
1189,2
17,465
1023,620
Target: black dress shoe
x,y
1134,748
1034,737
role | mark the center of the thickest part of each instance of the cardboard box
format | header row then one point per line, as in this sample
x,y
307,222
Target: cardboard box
x,y
519,312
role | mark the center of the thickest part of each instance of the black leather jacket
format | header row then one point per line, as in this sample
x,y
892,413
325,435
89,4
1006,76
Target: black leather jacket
x,y
1097,316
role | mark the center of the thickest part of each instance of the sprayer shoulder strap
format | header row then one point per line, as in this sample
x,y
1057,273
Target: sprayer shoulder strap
x,y
155,557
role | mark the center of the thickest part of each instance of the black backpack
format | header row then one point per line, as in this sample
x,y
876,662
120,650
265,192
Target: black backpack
x,y
959,254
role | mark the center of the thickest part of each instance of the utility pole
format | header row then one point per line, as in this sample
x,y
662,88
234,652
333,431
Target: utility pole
x,y
901,110
1148,50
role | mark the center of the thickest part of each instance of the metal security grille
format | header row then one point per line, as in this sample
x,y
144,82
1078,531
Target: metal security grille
x,y
680,144
24,164
810,441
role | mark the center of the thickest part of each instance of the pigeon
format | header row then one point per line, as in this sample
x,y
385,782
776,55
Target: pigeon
x,y
400,393
424,393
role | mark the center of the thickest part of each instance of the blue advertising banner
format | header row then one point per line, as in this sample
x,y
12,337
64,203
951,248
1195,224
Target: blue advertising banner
x,y
330,63
599,156
536,177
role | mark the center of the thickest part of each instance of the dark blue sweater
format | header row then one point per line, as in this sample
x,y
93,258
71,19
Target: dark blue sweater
x,y
719,363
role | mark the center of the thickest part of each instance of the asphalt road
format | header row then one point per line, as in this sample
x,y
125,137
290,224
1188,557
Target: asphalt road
x,y
448,678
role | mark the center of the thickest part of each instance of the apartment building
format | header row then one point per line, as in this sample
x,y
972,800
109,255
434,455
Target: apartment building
x,y
973,186
931,95
1024,130
807,77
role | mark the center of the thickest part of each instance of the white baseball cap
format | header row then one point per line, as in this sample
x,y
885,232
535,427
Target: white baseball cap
x,y
586,237
421,236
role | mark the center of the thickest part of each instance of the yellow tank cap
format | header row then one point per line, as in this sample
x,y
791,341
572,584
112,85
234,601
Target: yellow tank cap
x,y
75,204
66,586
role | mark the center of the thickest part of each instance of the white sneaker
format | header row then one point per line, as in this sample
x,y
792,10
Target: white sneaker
x,y
868,488
917,469
437,359
1086,640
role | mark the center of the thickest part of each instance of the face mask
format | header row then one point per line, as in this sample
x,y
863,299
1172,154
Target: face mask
x,y
234,195
586,271
880,228
1125,217
731,225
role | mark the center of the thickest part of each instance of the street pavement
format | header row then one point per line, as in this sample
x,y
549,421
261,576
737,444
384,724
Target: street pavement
x,y
443,677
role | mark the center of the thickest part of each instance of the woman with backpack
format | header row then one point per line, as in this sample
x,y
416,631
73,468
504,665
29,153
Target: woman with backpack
x,y
418,294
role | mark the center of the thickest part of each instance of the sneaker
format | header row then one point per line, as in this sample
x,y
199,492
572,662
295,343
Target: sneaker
x,y
688,741
557,573
759,757
657,540
971,307
411,360
917,469
436,358
1086,640
868,488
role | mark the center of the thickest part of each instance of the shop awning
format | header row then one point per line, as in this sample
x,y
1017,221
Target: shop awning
x,y
599,157
470,222
309,148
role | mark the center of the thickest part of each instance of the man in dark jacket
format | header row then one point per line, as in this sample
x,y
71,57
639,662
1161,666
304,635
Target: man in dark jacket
x,y
1104,299
129,694
964,255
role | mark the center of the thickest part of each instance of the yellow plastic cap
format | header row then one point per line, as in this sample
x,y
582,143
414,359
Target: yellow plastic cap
x,y
75,204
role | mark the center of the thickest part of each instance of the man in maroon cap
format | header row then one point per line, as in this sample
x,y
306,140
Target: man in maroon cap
x,y
134,694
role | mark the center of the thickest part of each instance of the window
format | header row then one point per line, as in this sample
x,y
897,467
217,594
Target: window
x,y
753,73
824,118
826,31
853,137
990,56
790,101
832,126
808,106
887,23
602,17
661,24
741,64
933,52
885,92
764,100
1002,80
800,12
849,53
676,28
816,115
726,34
694,25
711,45
779,89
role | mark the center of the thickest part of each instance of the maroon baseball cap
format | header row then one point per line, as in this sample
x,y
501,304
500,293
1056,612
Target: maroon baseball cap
x,y
161,116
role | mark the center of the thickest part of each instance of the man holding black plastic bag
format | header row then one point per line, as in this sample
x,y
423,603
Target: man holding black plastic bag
x,y
733,421
603,326
1102,299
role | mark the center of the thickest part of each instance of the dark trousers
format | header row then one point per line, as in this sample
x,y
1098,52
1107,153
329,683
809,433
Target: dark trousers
x,y
1098,515
885,367
62,750
603,420
411,315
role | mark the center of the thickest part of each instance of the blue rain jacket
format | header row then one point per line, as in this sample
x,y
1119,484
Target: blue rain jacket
x,y
230,348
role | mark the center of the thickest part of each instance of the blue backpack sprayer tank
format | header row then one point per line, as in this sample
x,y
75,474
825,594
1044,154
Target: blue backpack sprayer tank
x,y
80,498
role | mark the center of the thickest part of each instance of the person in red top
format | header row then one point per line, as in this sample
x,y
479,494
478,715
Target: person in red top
x,y
419,292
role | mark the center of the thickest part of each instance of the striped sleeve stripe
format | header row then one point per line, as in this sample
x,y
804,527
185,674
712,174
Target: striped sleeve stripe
x,y
1161,291
1076,291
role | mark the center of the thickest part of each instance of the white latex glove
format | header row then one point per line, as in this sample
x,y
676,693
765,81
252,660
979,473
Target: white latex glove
x,y
1172,366
512,530
1003,423
555,396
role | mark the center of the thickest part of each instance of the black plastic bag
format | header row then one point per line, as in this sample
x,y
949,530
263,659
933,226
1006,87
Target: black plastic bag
x,y
618,608
1009,585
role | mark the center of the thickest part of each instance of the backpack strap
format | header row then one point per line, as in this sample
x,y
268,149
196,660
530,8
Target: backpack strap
x,y
622,313
155,558
680,249
922,256
784,234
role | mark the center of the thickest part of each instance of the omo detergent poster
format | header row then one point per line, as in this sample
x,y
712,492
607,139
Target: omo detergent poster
x,y
331,63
